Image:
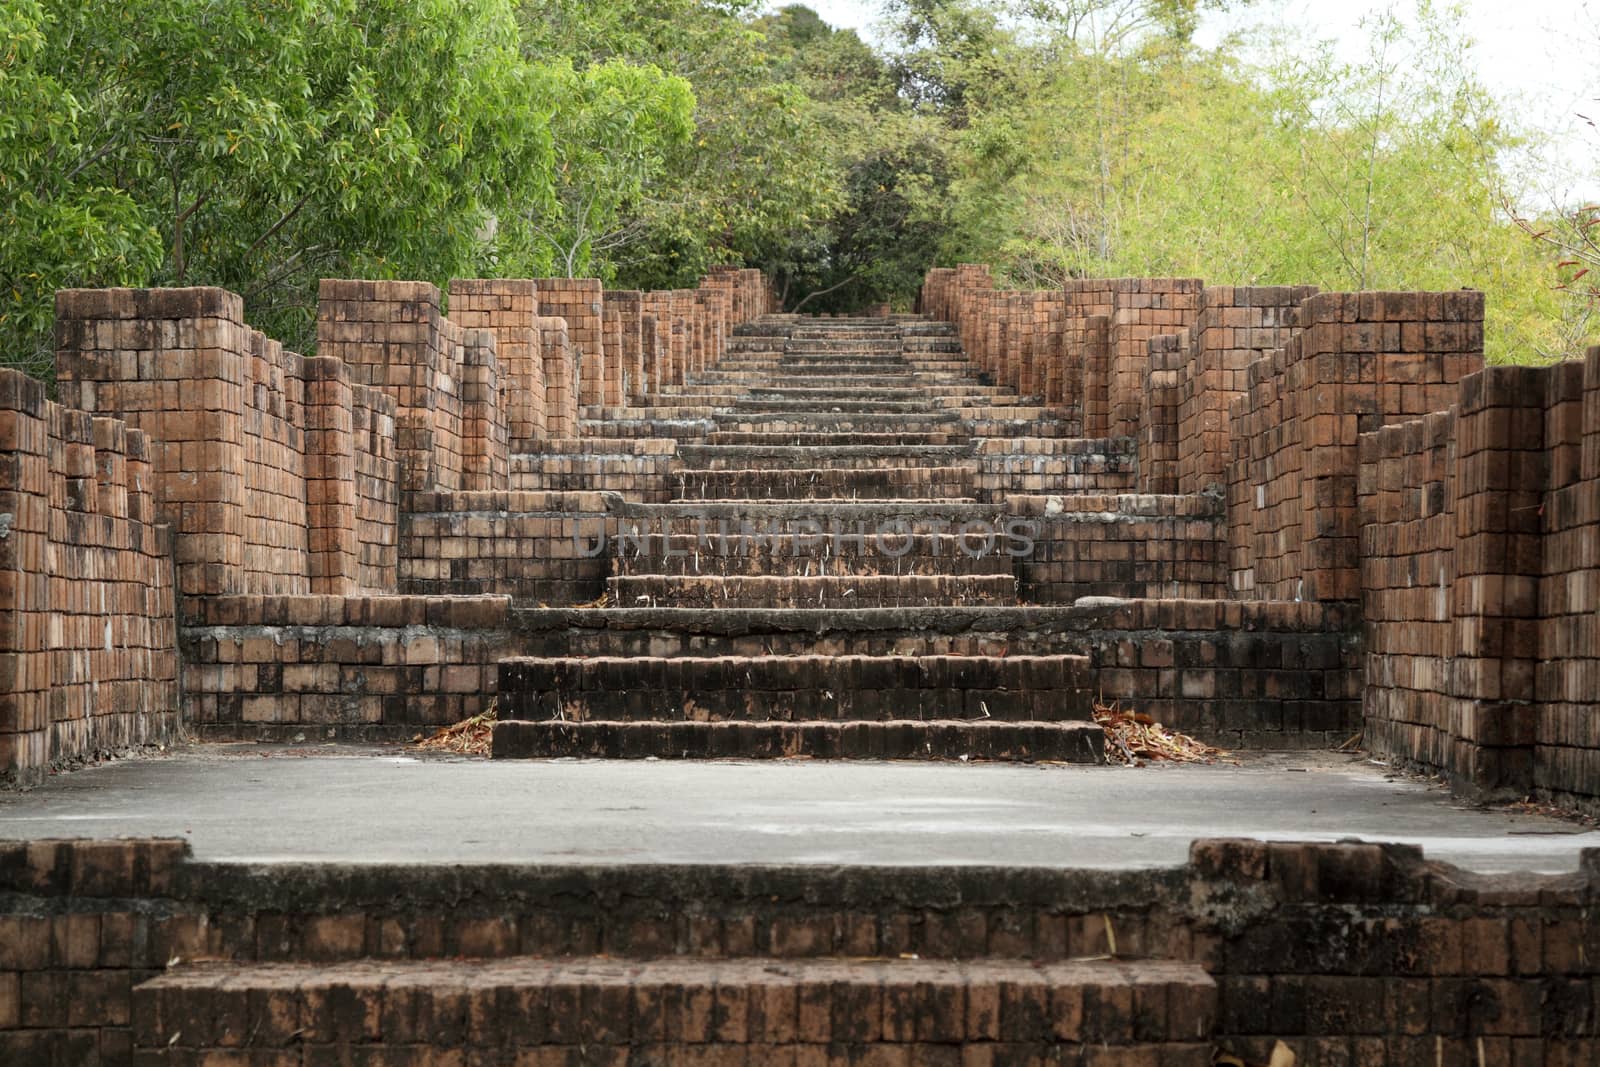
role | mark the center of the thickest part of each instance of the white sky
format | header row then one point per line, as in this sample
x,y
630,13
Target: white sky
x,y
1540,56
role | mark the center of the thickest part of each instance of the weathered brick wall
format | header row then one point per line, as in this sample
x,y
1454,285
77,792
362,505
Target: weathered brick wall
x,y
560,378
1268,675
273,447
1357,362
714,308
639,468
623,333
579,302
377,485
1567,738
685,303
535,546
1481,582
250,475
394,338
674,312
1142,308
1158,411
1234,327
87,625
1086,347
1349,953
485,455
1121,546
339,666
1408,571
655,345
509,308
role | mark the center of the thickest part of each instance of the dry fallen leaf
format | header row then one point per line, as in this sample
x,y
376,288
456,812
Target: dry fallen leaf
x,y
1133,737
470,737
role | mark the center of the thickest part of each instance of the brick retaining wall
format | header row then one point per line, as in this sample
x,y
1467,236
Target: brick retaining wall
x,y
88,642
1481,582
1348,953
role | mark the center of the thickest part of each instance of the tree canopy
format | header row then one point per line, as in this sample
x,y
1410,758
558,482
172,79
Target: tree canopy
x,y
261,146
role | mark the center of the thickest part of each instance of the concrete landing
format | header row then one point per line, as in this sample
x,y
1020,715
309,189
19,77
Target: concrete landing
x,y
257,803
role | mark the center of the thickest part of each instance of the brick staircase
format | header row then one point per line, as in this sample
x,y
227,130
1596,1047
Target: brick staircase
x,y
538,1012
826,465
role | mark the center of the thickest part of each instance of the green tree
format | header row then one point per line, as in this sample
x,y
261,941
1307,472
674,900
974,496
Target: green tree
x,y
617,123
262,146
59,227
755,172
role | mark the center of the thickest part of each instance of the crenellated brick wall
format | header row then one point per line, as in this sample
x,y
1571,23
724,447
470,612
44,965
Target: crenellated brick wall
x,y
560,378
509,309
623,331
1085,347
1235,326
343,478
88,642
1142,308
248,473
578,302
1168,355
1363,454
1357,362
1480,563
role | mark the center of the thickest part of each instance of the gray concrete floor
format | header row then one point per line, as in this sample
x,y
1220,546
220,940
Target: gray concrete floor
x,y
253,803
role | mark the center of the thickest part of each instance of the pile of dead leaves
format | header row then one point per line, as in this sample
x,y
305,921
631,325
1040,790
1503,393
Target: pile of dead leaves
x,y
470,737
1134,739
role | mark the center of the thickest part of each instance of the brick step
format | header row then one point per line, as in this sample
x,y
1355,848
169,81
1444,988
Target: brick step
x,y
565,446
818,439
874,422
815,402
694,1012
845,334
736,554
626,428
1013,413
891,360
895,739
1033,446
634,474
780,457
1048,426
863,347
926,370
832,345
691,409
805,516
839,389
836,368
875,483
791,590
699,391
750,377
654,410
795,688
1032,407
923,386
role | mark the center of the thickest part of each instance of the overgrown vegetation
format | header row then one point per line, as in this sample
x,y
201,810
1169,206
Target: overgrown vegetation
x,y
263,145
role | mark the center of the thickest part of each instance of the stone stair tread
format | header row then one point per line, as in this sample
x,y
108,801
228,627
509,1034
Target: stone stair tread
x,y
794,688
1017,741
759,1006
796,590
